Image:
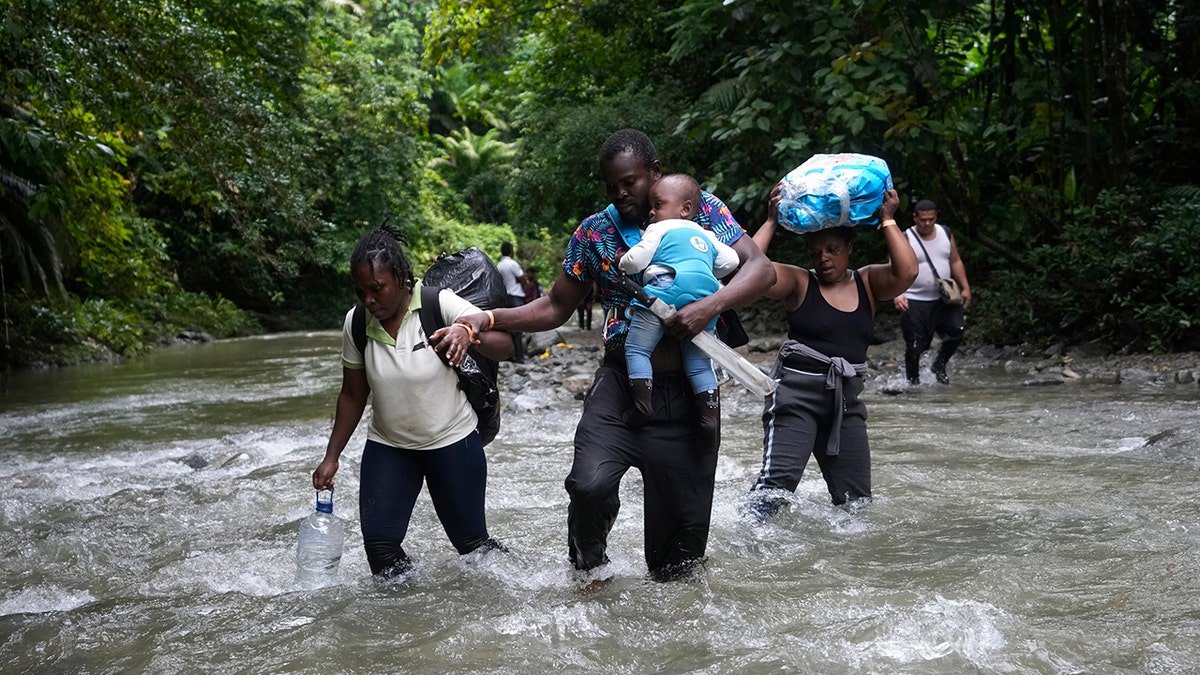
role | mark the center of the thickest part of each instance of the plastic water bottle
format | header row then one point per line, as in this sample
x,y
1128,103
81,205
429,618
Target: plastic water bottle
x,y
319,550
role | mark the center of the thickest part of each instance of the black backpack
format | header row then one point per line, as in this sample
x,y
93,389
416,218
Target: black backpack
x,y
473,276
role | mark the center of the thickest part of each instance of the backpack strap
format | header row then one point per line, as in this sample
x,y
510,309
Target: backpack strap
x,y
477,381
358,327
431,317
431,313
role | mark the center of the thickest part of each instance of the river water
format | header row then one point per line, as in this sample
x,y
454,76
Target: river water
x,y
151,509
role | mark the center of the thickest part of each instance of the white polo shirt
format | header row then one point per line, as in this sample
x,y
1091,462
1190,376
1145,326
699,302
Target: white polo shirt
x,y
415,397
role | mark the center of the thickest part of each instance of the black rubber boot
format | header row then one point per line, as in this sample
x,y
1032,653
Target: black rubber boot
x,y
912,366
939,370
945,351
708,407
640,390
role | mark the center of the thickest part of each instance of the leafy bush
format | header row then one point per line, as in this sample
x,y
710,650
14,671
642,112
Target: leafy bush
x,y
182,311
1162,265
118,329
1126,270
557,184
452,236
96,329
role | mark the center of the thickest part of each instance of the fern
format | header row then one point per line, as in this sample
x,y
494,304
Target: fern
x,y
1184,193
723,97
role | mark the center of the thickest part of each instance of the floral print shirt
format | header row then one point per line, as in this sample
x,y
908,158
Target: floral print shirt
x,y
602,237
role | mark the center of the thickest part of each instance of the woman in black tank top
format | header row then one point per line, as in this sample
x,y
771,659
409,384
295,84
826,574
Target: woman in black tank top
x,y
816,409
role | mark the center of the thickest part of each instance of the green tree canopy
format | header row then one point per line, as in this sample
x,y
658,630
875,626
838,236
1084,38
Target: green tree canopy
x,y
236,150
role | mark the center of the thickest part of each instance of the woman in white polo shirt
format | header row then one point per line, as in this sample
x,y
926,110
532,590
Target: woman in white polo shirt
x,y
423,428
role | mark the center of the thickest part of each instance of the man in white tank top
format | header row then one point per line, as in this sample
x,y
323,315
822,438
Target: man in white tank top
x,y
922,313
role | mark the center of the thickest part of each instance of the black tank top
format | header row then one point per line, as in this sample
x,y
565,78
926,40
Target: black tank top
x,y
829,330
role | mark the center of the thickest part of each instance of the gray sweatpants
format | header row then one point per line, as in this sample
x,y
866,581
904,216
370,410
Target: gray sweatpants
x,y
796,424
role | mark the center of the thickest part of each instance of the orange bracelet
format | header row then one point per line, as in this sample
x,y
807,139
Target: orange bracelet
x,y
470,331
491,319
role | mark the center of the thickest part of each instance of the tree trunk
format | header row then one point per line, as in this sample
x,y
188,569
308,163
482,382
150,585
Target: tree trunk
x,y
1115,51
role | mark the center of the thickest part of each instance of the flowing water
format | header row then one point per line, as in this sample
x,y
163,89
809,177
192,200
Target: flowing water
x,y
150,512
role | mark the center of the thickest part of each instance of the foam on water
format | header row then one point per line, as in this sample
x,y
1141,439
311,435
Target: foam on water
x,y
1130,443
42,599
939,628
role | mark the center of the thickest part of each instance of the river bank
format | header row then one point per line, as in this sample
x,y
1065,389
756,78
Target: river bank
x,y
1039,366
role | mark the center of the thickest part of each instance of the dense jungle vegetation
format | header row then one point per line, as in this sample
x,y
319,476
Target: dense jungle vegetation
x,y
207,165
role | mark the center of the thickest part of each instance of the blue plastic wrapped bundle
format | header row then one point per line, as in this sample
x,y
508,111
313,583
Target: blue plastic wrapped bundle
x,y
832,191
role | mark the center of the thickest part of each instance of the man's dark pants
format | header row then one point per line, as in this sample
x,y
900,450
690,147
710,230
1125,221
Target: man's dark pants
x,y
923,319
678,474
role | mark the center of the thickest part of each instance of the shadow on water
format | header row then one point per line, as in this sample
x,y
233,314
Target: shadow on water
x,y
151,510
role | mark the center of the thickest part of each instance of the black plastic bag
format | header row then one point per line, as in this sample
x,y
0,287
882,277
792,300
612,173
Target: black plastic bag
x,y
472,275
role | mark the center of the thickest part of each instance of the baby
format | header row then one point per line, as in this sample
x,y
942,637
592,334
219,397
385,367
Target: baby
x,y
681,262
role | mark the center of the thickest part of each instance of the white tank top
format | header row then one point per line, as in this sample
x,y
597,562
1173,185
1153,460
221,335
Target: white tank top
x,y
925,286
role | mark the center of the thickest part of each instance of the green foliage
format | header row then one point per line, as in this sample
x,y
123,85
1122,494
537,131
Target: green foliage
x,y
1126,272
231,147
543,252
362,115
1162,267
98,329
547,52
64,220
180,311
240,149
541,249
1013,117
475,166
454,236
463,94
28,248
557,184
575,72
108,324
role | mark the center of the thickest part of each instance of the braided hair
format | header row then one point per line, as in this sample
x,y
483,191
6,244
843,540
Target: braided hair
x,y
382,247
629,140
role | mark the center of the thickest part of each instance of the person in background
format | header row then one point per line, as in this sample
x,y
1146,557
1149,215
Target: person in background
x,y
422,429
922,313
680,262
514,281
585,308
816,408
678,468
532,288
